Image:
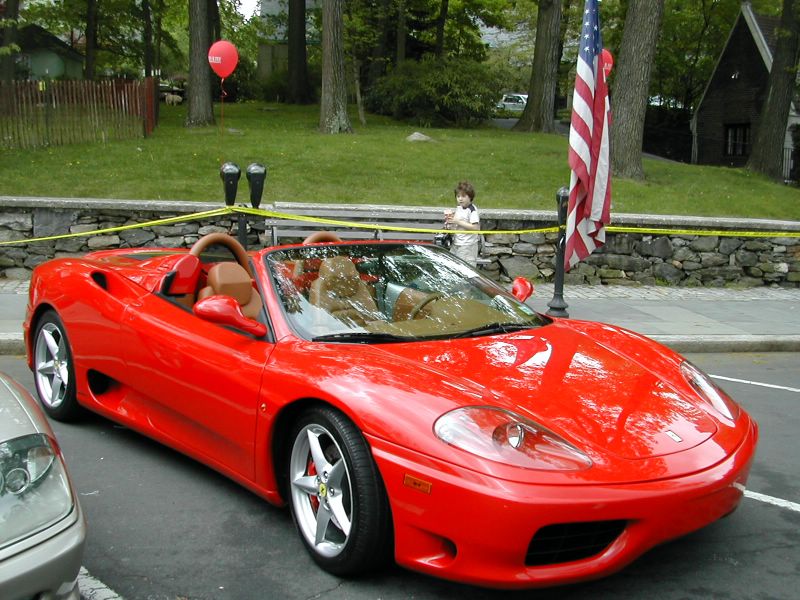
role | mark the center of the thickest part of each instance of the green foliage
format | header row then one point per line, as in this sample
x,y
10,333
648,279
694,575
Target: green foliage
x,y
446,91
693,34
374,166
9,49
276,86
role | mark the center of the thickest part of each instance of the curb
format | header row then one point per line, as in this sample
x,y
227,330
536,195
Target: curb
x,y
730,343
12,344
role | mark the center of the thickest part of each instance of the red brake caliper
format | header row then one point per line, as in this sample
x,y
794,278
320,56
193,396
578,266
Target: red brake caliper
x,y
312,470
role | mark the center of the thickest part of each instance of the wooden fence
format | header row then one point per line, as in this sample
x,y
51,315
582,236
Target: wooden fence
x,y
36,114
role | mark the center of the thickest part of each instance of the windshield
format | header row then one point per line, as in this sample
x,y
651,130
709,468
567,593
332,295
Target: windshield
x,y
379,293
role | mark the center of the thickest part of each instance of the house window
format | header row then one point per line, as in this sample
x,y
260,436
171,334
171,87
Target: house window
x,y
737,140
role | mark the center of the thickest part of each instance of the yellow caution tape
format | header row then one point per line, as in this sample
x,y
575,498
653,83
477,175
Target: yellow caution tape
x,y
659,231
326,221
165,221
227,210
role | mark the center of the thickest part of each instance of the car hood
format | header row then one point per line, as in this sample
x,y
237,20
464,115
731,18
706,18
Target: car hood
x,y
596,393
16,418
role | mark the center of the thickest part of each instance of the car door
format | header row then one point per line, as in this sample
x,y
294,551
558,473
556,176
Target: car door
x,y
196,384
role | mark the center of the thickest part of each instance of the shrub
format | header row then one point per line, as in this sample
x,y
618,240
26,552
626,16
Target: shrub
x,y
241,85
444,91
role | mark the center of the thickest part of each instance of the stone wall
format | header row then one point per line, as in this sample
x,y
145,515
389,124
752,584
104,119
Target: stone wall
x,y
626,259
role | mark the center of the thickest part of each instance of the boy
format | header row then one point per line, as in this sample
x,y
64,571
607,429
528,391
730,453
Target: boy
x,y
465,217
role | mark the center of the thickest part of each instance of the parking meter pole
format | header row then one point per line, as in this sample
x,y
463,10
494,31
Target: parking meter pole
x,y
241,229
230,174
256,174
558,306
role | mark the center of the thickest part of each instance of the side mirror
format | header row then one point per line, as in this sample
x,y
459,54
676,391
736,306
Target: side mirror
x,y
224,310
522,289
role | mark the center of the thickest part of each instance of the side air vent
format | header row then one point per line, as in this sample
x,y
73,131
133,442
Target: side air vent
x,y
100,279
566,542
99,383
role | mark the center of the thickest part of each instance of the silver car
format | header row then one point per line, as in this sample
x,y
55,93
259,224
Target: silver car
x,y
513,102
42,528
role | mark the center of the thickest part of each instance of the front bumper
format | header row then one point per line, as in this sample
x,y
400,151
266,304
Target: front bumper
x,y
454,523
47,564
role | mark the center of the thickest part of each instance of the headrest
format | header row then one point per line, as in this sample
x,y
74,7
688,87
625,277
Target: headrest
x,y
231,279
339,277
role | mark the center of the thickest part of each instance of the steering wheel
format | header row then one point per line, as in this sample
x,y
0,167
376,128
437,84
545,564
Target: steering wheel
x,y
321,236
223,239
412,314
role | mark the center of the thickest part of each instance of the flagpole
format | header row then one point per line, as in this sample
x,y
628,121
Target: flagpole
x,y
558,306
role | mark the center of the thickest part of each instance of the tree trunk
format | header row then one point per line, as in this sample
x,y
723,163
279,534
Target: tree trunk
x,y
631,86
402,31
199,110
378,62
562,36
767,154
158,35
362,118
539,113
333,105
148,58
7,61
214,23
147,35
299,89
440,22
91,40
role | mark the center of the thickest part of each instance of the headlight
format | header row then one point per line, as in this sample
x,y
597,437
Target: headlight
x,y
505,437
708,391
34,492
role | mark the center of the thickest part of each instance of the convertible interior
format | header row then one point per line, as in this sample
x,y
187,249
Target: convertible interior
x,y
325,290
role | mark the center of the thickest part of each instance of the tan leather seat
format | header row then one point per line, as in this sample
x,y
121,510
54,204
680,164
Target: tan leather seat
x,y
340,291
230,279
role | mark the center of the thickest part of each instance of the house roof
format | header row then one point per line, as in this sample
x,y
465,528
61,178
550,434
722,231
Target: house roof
x,y
767,25
33,37
763,29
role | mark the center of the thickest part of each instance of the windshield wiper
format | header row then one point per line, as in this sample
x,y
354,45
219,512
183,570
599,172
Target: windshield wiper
x,y
492,328
361,337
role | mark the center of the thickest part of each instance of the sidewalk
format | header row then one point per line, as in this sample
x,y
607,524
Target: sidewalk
x,y
685,319
691,319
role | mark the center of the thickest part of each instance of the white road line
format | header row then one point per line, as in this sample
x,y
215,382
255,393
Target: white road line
x,y
94,589
768,385
771,500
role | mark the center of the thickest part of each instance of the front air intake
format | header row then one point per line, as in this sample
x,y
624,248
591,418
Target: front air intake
x,y
566,542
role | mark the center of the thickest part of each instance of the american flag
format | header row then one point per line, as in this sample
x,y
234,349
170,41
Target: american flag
x,y
590,182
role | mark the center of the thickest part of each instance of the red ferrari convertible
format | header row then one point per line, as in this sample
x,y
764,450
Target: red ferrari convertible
x,y
399,402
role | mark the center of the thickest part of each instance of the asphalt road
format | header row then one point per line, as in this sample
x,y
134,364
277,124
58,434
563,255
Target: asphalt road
x,y
164,527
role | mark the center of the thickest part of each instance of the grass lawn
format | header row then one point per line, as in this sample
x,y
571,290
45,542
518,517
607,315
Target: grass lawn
x,y
374,166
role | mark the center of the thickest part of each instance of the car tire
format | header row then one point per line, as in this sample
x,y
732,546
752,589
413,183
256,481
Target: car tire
x,y
337,498
53,370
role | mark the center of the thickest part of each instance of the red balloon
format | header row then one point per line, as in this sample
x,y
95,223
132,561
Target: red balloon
x,y
608,62
223,58
522,289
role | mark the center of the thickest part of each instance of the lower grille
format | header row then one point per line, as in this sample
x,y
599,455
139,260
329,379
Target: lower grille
x,y
566,542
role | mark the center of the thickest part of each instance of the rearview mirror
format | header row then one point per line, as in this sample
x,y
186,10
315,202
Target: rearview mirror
x,y
225,310
522,289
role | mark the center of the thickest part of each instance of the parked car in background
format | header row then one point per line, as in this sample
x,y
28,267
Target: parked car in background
x,y
513,102
166,89
42,529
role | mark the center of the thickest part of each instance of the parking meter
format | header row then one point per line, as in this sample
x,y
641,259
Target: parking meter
x,y
256,175
230,174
